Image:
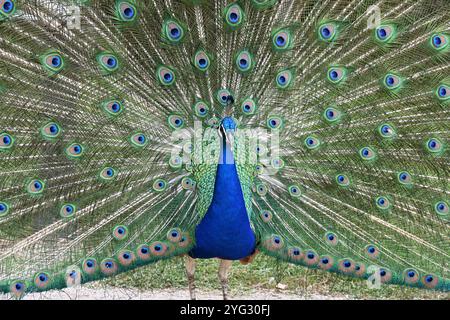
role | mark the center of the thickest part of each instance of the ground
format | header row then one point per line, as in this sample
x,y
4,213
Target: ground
x,y
264,279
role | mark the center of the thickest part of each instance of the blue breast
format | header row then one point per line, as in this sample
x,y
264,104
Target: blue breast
x,y
225,230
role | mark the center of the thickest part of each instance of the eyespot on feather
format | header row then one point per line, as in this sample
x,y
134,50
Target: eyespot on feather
x,y
74,151
343,180
67,210
284,79
143,252
108,266
326,262
35,186
159,185
158,248
108,62
138,140
6,141
166,75
53,62
42,280
50,131
4,208
311,258
126,257
120,232
327,32
90,266
282,39
173,31
234,16
7,9
126,11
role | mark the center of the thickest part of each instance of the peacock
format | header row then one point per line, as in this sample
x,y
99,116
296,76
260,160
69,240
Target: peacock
x,y
315,132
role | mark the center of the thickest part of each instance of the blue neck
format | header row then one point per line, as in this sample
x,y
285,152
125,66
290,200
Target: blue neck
x,y
225,230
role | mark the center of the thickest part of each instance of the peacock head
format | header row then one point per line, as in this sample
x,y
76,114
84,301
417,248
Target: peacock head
x,y
227,128
228,124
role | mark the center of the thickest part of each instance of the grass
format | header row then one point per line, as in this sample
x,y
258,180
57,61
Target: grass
x,y
264,273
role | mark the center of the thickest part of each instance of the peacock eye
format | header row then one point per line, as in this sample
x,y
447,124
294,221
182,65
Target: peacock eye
x,y
42,280
6,141
187,183
331,238
392,81
282,40
261,189
284,79
90,265
367,153
126,11
234,16
441,208
386,131
18,288
120,232
166,76
342,180
277,163
108,62
404,178
385,33
108,173
327,32
224,97
266,216
75,150
175,122
158,248
52,62
201,60
372,251
113,107
332,115
434,146
159,185
248,106
8,7
411,276
174,235
439,41
4,209
274,122
126,257
138,140
244,61
108,266
35,186
173,32
50,131
443,92
383,203
201,109
312,142
144,250
336,74
295,191
67,210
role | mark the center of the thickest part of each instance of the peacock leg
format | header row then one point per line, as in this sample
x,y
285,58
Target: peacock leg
x,y
224,267
190,271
